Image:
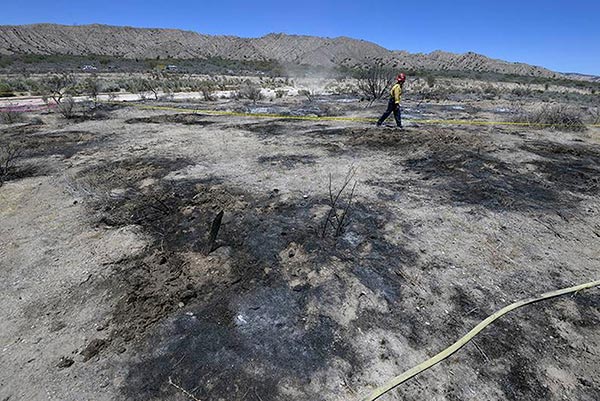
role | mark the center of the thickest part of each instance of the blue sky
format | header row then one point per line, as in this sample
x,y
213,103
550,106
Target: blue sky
x,y
560,35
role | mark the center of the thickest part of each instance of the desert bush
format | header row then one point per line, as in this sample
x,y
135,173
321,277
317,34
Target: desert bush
x,y
437,94
171,83
490,89
373,82
60,88
151,84
207,88
132,85
9,116
594,115
141,86
279,93
9,153
66,107
111,87
6,90
310,95
558,117
430,79
343,88
91,88
249,91
522,92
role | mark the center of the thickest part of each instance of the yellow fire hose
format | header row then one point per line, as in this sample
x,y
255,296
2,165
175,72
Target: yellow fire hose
x,y
395,382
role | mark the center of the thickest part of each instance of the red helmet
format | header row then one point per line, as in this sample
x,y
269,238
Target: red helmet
x,y
401,77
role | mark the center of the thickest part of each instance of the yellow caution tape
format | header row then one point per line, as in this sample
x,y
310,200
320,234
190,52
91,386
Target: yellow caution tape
x,y
476,330
339,118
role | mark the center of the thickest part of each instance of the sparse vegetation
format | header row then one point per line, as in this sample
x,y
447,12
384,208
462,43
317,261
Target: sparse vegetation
x,y
207,88
522,91
308,94
559,117
9,154
338,213
6,90
594,115
91,87
374,82
59,89
11,116
430,79
250,91
164,201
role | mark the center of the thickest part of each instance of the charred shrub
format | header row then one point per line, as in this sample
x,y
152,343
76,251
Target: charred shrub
x,y
557,117
9,153
249,91
11,117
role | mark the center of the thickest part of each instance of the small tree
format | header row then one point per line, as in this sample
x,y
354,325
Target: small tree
x,y
67,106
374,82
57,86
151,85
91,87
207,88
60,88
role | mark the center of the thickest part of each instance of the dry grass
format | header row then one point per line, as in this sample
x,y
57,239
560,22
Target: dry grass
x,y
559,117
11,117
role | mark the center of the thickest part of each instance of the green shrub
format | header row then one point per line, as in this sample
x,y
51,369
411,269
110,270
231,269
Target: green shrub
x,y
6,90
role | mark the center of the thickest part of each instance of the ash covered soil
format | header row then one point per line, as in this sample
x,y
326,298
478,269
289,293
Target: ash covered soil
x,y
112,289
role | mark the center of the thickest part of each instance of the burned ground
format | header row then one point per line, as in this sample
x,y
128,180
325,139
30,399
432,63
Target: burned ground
x,y
446,226
287,340
183,118
286,161
37,141
574,167
30,143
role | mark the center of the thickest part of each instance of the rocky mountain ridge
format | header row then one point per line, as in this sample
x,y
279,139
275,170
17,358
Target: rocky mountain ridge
x,y
152,43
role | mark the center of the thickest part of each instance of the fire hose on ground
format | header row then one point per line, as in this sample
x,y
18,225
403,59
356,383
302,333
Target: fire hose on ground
x,y
395,382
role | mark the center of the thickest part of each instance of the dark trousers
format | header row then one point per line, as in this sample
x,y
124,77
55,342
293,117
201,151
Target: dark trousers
x,y
392,108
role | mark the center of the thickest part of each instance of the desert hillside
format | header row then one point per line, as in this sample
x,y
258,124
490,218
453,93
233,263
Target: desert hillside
x,y
132,43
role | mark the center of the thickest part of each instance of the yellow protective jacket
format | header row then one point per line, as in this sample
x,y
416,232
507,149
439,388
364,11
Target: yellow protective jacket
x,y
396,92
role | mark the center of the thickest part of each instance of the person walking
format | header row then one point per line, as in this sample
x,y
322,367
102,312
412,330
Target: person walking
x,y
394,102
